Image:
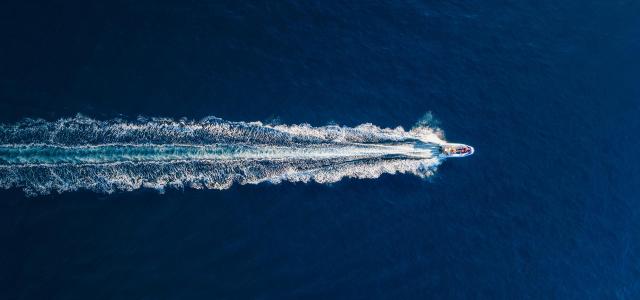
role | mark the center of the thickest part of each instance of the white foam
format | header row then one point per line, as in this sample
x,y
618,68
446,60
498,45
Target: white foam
x,y
116,155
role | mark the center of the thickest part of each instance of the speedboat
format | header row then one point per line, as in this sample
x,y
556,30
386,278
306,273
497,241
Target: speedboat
x,y
456,150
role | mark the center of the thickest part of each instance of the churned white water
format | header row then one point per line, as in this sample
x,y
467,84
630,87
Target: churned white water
x,y
70,154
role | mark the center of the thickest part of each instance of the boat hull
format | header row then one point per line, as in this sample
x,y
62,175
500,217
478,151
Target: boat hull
x,y
456,150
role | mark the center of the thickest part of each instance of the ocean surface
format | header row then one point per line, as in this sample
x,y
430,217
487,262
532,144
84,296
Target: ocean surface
x,y
547,92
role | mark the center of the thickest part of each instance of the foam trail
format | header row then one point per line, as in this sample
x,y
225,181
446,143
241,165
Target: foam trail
x,y
106,156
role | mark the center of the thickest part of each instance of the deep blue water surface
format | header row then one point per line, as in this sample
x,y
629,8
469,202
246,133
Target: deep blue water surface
x,y
548,92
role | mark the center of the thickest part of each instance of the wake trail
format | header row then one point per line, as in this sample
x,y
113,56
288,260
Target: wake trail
x,y
81,153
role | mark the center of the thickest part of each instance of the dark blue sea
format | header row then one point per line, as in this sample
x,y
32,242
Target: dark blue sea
x,y
548,93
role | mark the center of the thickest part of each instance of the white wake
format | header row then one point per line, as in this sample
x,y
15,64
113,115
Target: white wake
x,y
41,157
